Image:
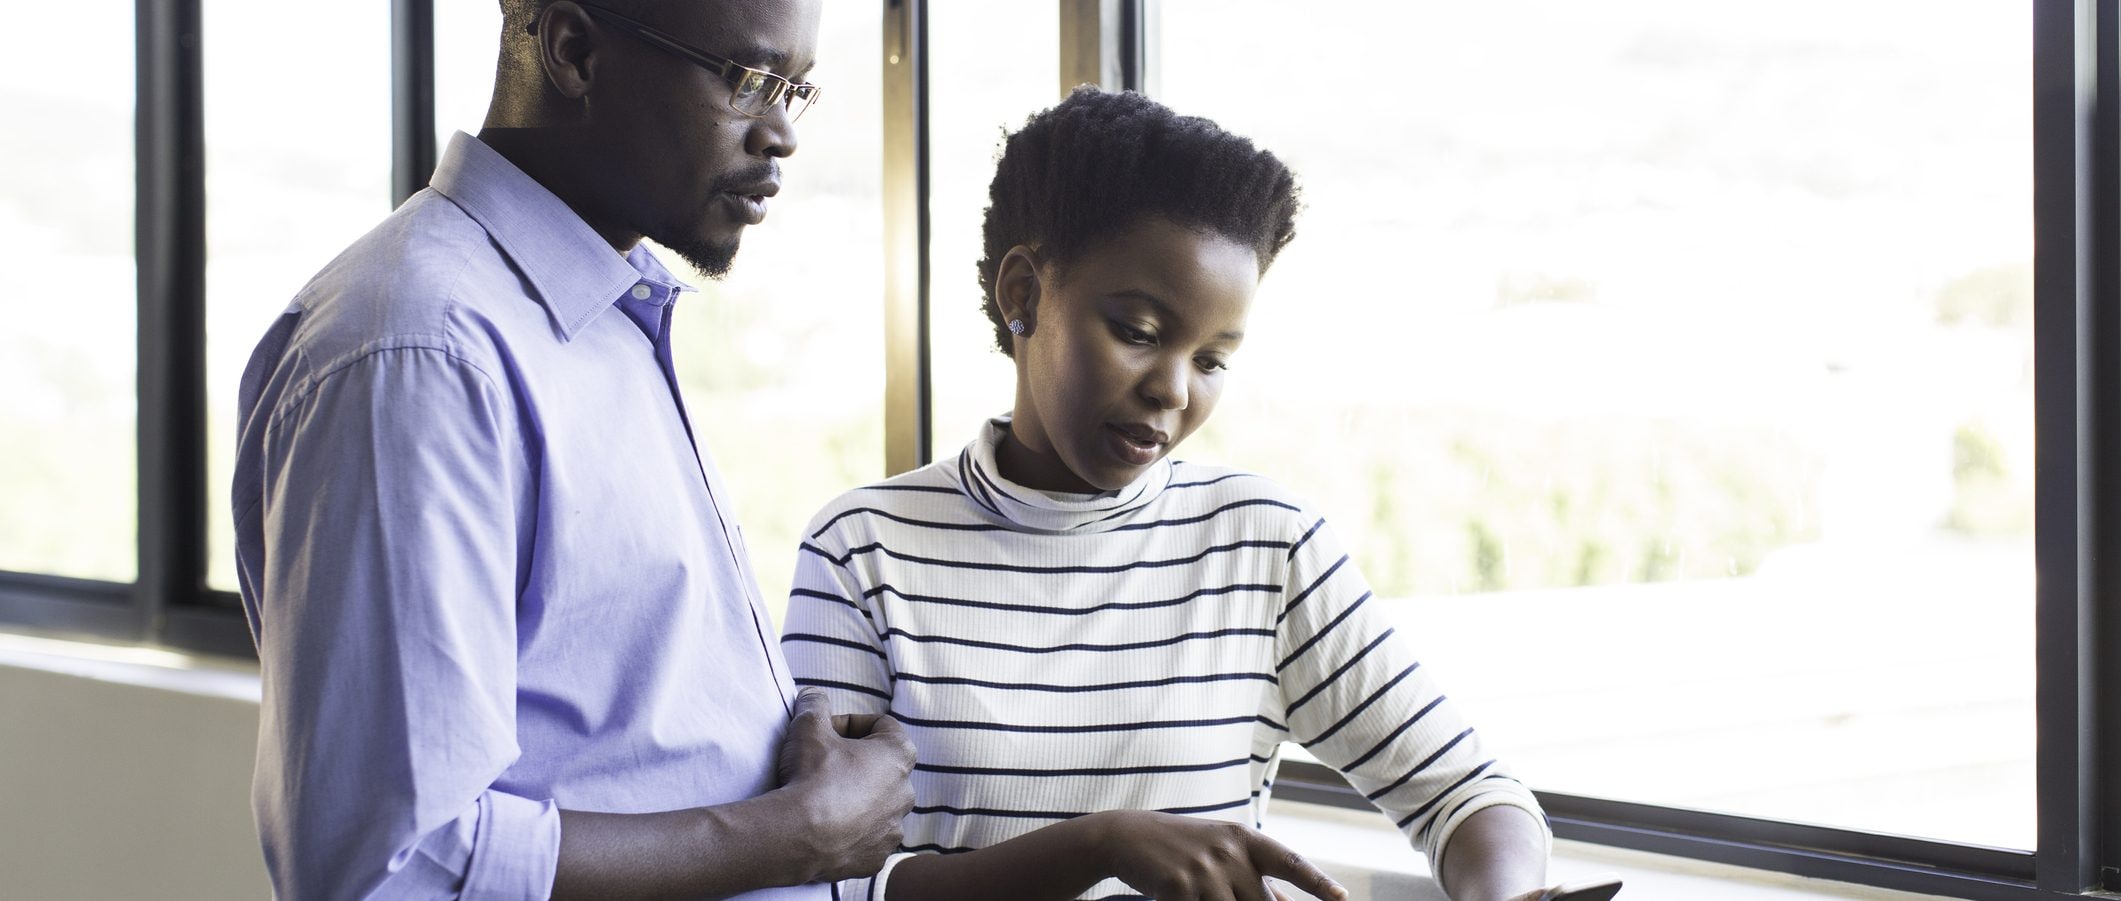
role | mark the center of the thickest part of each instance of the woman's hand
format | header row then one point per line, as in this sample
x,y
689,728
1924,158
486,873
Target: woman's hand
x,y
1179,858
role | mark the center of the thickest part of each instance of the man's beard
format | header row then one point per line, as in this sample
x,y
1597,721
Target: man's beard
x,y
710,258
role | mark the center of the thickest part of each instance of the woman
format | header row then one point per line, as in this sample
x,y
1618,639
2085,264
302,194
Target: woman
x,y
1097,649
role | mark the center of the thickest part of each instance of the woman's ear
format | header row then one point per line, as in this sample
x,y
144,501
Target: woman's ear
x,y
1017,286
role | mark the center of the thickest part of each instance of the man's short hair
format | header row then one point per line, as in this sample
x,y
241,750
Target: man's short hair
x,y
1100,162
517,14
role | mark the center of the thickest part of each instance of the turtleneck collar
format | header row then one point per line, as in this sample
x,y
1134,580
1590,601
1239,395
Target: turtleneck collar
x,y
1033,510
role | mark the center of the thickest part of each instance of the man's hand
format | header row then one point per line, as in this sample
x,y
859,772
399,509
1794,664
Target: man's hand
x,y
856,725
1180,858
843,791
847,776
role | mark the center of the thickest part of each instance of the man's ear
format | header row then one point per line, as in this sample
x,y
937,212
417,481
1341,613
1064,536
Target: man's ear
x,y
566,50
1017,286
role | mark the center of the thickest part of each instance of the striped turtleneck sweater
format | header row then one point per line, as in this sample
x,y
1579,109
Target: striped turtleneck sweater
x,y
1053,655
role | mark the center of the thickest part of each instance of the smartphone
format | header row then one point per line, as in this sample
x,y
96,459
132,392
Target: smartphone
x,y
1601,890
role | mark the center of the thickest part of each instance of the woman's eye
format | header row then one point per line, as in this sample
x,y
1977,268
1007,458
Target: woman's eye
x,y
1132,335
1211,364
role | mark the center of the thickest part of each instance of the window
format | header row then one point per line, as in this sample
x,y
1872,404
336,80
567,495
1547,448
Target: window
x,y
66,355
296,169
1018,77
1680,391
467,46
1697,338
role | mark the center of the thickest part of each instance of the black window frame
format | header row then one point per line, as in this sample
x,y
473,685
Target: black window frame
x,y
2077,276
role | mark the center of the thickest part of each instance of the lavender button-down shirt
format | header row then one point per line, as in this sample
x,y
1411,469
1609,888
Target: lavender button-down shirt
x,y
489,570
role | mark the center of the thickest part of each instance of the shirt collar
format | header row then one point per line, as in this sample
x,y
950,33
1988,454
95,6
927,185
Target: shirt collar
x,y
574,271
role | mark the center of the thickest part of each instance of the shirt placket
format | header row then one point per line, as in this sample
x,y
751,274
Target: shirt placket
x,y
748,582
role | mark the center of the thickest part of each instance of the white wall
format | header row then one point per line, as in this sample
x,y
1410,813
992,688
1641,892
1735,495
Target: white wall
x,y
122,780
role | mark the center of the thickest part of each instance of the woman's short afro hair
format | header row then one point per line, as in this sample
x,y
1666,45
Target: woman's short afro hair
x,y
1101,162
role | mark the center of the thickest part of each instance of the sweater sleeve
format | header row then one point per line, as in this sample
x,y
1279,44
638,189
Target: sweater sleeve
x,y
832,641
1356,698
832,637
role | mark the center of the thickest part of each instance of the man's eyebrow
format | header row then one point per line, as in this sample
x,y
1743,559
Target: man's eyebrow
x,y
1164,310
760,56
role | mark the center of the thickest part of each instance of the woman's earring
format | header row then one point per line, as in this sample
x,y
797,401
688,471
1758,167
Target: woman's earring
x,y
1016,327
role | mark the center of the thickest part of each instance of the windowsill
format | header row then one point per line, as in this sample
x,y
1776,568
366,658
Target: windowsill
x,y
1357,847
142,666
1374,861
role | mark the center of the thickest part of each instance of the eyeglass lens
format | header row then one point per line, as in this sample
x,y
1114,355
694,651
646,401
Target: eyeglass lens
x,y
756,93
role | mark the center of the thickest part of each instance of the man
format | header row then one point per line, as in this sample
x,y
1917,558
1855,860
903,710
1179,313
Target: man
x,y
510,644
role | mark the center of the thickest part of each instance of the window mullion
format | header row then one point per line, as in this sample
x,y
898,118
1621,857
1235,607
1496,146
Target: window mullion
x,y
170,248
2099,419
1092,43
2063,67
1144,27
412,98
907,389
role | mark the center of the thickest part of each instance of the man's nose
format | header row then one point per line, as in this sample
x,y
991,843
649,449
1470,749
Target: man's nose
x,y
772,134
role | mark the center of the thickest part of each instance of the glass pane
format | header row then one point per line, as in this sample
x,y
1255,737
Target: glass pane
x,y
782,362
467,44
1678,380
1015,49
296,169
66,218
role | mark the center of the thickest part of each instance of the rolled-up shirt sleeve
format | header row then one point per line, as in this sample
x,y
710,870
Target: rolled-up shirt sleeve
x,y
392,507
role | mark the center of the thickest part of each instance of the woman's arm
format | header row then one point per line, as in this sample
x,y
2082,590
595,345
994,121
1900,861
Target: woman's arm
x,y
1358,699
1163,855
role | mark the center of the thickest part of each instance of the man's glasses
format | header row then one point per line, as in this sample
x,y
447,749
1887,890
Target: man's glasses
x,y
751,91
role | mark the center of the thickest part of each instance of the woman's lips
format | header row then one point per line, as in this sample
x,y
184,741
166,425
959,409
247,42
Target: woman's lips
x,y
1134,450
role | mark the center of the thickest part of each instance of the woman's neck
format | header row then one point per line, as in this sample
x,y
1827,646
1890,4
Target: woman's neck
x,y
1038,469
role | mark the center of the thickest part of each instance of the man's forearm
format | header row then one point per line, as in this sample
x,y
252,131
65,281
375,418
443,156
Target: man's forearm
x,y
1498,853
1050,864
704,852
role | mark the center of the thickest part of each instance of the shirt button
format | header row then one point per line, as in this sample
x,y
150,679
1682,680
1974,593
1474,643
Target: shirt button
x,y
641,292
